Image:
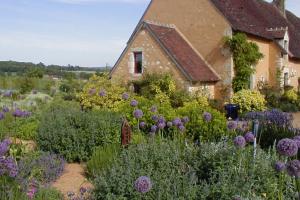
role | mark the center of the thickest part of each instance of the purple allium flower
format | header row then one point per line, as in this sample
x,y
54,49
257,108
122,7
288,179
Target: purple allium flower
x,y
153,109
185,119
279,166
155,118
102,93
249,137
138,114
142,124
5,109
297,137
181,128
26,114
125,96
153,128
92,91
2,116
287,147
134,103
293,168
177,121
297,142
17,113
161,119
207,116
169,124
239,142
161,125
232,125
143,184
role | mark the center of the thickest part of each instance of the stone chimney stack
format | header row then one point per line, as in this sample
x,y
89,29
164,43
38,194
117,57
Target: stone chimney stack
x,y
280,4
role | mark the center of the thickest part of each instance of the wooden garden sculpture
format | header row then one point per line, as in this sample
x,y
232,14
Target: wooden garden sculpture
x,y
125,133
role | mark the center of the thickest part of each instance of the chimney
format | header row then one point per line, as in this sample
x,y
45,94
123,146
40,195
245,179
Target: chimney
x,y
280,4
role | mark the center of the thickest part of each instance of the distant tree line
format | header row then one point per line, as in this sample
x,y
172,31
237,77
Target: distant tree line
x,y
39,70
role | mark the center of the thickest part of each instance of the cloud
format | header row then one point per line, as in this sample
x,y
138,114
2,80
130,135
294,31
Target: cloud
x,y
98,1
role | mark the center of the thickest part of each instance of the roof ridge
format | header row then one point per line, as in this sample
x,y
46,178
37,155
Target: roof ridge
x,y
160,24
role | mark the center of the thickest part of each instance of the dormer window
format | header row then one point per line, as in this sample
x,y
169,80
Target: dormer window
x,y
138,62
285,45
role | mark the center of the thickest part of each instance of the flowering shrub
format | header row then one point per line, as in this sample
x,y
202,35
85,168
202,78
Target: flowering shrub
x,y
100,93
249,100
291,96
72,133
205,123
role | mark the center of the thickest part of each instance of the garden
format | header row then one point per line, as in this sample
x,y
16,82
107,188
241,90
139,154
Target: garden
x,y
158,142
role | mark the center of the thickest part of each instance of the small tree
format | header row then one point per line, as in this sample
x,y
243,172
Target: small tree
x,y
245,56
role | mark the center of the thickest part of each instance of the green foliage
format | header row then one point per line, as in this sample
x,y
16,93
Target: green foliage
x,y
48,194
113,94
245,56
210,171
198,128
249,100
102,158
10,189
290,95
72,133
35,73
164,163
154,84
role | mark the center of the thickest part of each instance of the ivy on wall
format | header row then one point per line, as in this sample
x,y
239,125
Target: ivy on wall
x,y
245,55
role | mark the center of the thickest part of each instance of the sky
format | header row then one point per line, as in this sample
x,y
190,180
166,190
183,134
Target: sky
x,y
90,33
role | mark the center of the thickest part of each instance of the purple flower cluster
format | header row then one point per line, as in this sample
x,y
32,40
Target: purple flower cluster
x,y
239,142
2,116
274,117
8,93
279,166
232,125
287,147
138,114
143,184
32,189
5,109
8,165
153,109
249,137
207,116
19,113
293,168
142,125
134,103
125,96
102,93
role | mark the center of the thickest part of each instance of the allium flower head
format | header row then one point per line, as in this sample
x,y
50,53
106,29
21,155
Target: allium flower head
x,y
239,142
287,147
181,128
185,119
5,109
161,119
2,116
249,137
297,137
297,142
125,96
279,166
293,168
155,118
143,184
102,93
161,125
169,124
232,125
153,128
138,114
176,121
142,124
207,116
153,109
134,103
18,113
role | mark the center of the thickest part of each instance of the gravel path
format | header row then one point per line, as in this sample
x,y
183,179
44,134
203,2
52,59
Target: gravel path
x,y
72,179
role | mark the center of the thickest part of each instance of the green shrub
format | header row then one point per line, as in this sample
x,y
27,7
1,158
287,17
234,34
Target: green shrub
x,y
249,100
164,163
48,194
291,96
10,189
102,158
72,133
210,171
198,128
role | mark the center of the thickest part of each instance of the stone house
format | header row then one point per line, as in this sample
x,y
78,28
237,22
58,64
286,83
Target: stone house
x,y
186,39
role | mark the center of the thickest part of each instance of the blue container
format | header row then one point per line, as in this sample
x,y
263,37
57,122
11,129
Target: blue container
x,y
232,111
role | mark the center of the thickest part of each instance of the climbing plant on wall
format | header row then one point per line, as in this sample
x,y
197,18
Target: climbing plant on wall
x,y
245,55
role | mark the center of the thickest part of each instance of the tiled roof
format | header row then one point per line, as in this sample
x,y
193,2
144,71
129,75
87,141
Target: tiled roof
x,y
187,59
262,19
